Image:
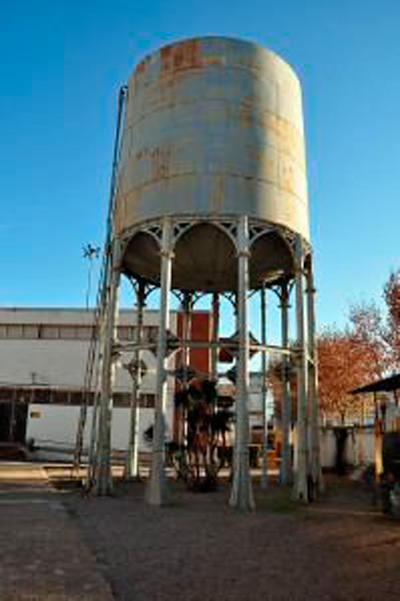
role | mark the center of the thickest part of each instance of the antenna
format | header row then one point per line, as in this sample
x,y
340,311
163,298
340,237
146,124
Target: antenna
x,y
90,252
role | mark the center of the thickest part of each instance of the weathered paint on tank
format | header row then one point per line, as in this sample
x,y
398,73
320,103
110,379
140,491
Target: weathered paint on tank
x,y
213,126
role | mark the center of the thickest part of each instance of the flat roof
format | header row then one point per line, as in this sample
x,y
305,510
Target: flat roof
x,y
385,385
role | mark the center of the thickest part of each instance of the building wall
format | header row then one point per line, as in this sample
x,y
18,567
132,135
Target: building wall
x,y
359,448
52,428
43,356
50,346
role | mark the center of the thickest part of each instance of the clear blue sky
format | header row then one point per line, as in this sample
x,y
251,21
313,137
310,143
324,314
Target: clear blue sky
x,y
62,63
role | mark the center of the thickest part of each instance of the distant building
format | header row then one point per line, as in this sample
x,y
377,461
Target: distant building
x,y
43,357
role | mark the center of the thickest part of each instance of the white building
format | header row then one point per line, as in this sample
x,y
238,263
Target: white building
x,y
43,358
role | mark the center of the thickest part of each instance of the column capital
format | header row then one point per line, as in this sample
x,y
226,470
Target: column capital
x,y
167,253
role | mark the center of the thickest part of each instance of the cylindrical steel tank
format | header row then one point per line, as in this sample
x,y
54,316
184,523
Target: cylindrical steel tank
x,y
213,127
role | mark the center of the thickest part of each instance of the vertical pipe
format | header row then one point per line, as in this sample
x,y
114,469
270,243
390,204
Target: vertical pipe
x,y
215,336
156,487
301,489
315,473
286,462
185,361
242,494
264,390
187,333
103,476
132,457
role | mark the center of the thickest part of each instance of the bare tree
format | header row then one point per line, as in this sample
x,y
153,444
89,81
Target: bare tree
x,y
391,294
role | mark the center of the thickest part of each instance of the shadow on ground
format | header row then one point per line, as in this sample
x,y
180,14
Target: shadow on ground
x,y
196,548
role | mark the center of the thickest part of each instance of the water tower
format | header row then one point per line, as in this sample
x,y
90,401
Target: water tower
x,y
210,195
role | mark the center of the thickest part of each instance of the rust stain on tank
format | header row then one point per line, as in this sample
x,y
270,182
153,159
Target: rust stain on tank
x,y
246,112
159,159
217,192
287,137
180,57
141,69
286,178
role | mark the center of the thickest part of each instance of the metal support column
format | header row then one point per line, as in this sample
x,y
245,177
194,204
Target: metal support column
x,y
102,474
215,336
286,463
300,486
242,494
187,332
135,370
316,472
264,391
156,486
187,306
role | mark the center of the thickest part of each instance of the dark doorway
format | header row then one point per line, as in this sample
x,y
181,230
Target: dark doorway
x,y
340,460
13,417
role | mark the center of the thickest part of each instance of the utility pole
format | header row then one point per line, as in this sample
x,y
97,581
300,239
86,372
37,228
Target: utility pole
x,y
90,252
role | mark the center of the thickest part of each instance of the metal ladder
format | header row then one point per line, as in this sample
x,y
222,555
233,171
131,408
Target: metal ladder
x,y
94,356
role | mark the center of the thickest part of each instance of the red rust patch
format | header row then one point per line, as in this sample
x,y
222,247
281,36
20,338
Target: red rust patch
x,y
159,159
142,68
180,57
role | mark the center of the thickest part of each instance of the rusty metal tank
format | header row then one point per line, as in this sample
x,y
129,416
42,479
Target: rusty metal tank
x,y
213,128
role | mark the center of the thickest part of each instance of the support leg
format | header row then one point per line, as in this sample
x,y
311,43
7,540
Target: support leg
x,y
264,390
316,472
286,462
156,487
242,494
215,336
301,468
132,457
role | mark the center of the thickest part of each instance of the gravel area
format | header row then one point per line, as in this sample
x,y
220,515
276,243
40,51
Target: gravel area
x,y
196,548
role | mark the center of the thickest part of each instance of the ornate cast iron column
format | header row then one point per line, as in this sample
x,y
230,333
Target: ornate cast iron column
x,y
156,486
215,336
316,473
301,467
134,368
286,463
264,391
242,494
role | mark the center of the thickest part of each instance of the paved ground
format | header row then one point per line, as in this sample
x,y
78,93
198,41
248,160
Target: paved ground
x,y
42,552
59,545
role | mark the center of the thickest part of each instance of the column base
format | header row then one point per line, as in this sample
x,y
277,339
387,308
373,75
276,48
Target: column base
x,y
156,493
242,498
300,489
103,483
